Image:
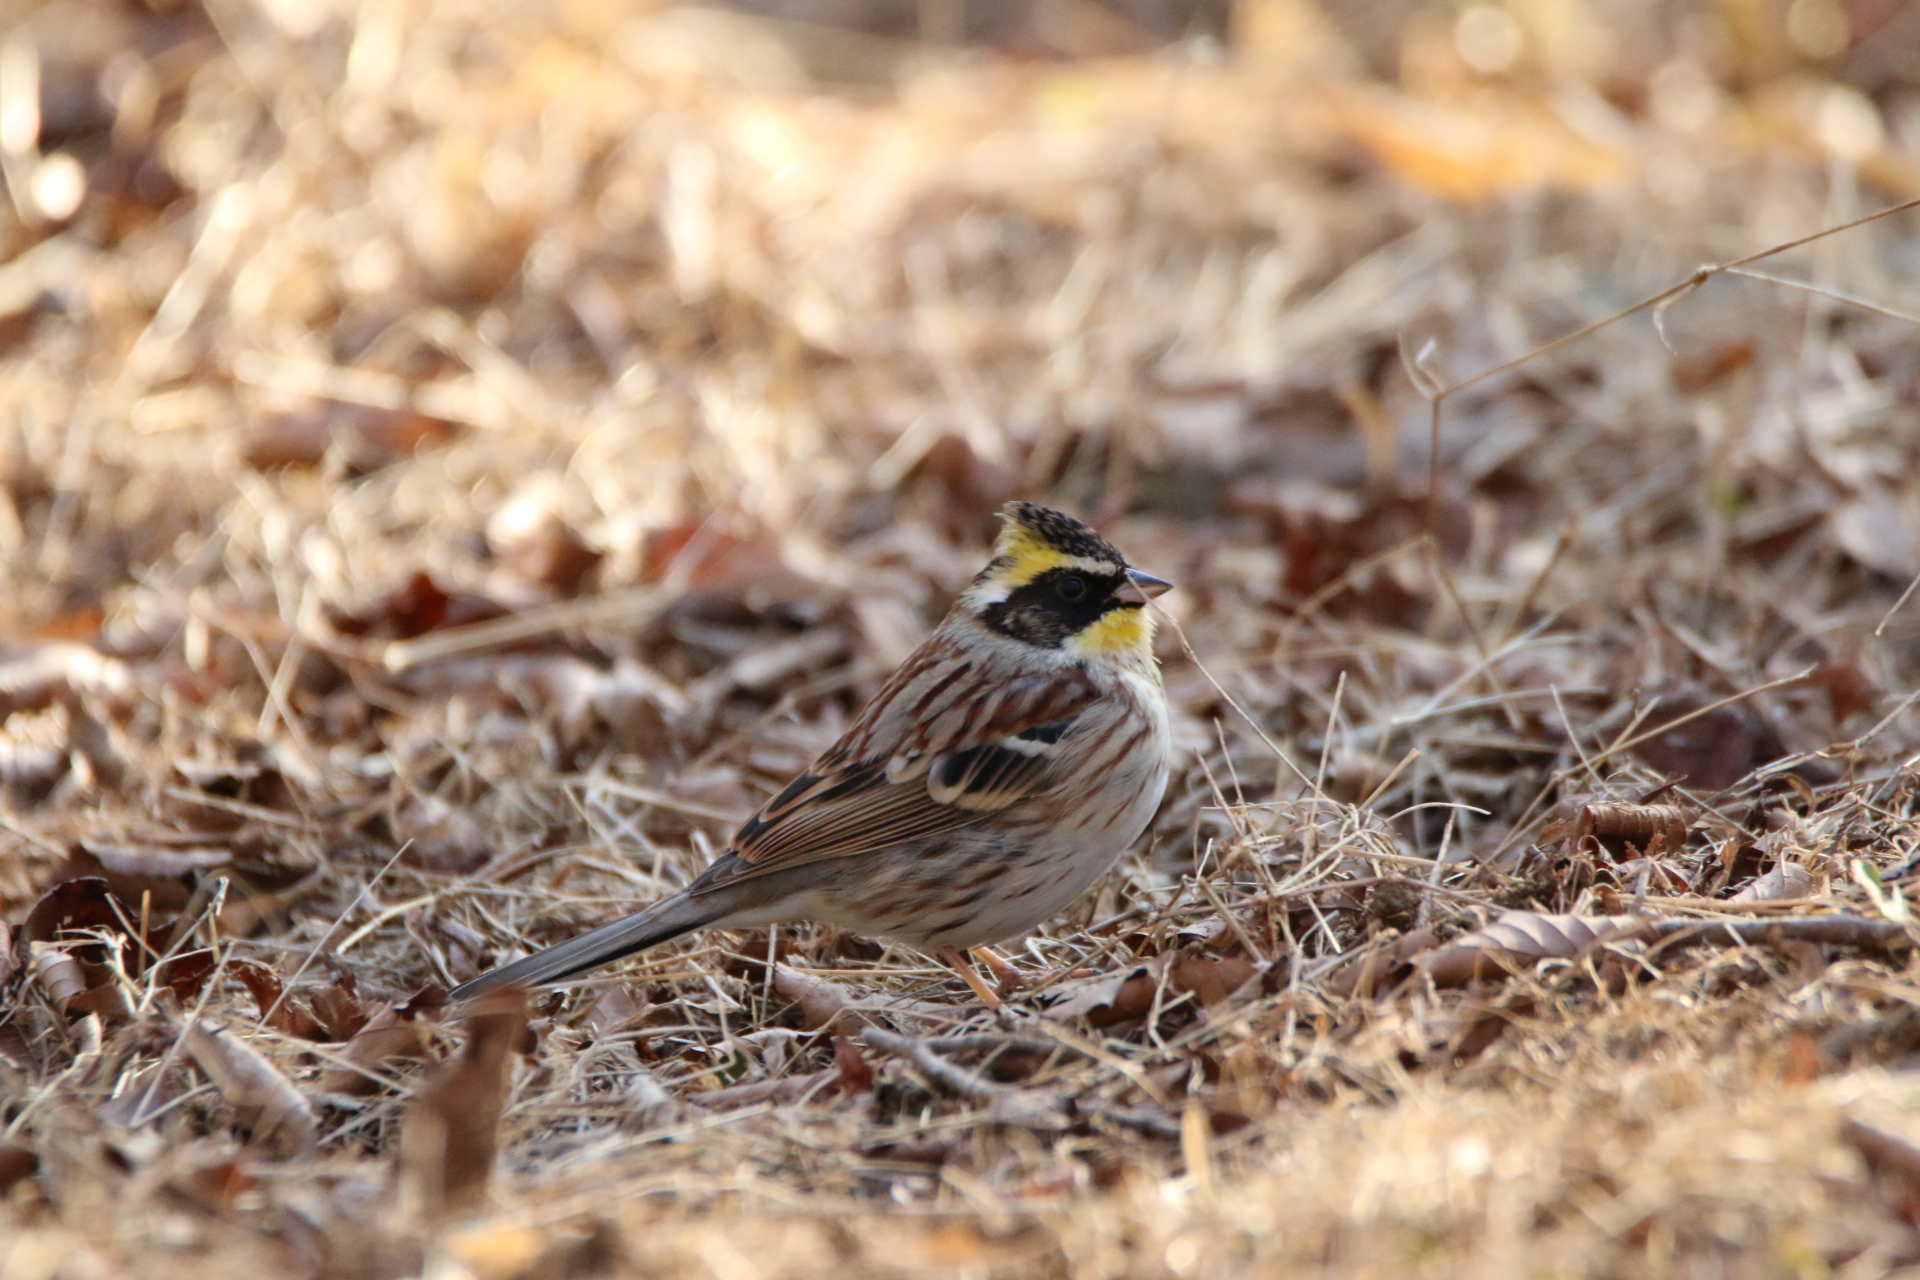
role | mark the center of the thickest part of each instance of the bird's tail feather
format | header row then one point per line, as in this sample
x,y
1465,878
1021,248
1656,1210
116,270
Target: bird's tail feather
x,y
661,922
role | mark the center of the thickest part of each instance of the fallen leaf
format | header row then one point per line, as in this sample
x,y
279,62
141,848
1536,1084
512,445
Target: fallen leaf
x,y
821,1003
1520,940
1713,750
57,972
1850,690
535,548
856,1073
396,1031
338,1007
1787,881
416,607
269,993
1623,828
265,1102
16,1163
448,1137
76,909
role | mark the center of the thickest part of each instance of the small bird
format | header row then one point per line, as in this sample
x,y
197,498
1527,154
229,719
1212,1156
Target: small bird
x,y
1004,767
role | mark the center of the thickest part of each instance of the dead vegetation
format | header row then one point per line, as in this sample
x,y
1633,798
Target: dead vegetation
x,y
459,458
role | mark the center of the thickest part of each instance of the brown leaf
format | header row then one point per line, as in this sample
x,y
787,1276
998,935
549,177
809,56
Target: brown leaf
x,y
856,1073
164,876
269,993
416,607
448,1138
265,1102
1711,751
1849,689
76,907
821,1003
1210,980
1787,881
394,1032
338,1007
15,1163
368,438
1373,966
1108,999
186,974
1520,940
535,547
108,1000
1619,828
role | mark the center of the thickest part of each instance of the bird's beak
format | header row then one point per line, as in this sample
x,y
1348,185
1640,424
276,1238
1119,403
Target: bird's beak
x,y
1141,587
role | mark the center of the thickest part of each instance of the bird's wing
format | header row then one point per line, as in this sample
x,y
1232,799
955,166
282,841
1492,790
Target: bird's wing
x,y
945,744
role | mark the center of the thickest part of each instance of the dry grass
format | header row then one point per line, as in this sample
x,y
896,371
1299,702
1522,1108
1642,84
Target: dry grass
x,y
459,458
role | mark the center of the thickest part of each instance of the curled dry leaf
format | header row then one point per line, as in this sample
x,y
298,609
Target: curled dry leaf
x,y
57,972
821,1003
533,544
76,907
450,1132
265,1102
165,877
1520,940
1618,828
416,607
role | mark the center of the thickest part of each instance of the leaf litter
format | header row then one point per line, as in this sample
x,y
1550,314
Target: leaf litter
x,y
458,461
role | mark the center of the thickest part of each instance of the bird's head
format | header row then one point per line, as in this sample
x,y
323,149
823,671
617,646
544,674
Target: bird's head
x,y
1056,584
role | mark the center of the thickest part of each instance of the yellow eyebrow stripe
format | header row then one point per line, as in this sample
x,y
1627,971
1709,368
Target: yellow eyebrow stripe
x,y
1030,557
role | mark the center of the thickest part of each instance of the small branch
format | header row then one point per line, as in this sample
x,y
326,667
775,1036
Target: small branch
x,y
957,1081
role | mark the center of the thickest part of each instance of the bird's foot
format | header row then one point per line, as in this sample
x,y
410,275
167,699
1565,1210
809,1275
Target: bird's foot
x,y
958,963
1009,979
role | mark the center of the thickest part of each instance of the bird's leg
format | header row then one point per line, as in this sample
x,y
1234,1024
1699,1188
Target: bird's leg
x,y
958,963
1004,974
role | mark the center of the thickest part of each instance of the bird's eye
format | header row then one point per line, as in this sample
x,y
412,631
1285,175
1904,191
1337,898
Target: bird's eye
x,y
1071,589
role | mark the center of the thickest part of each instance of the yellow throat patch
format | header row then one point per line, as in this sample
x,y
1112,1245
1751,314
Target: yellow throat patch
x,y
1118,632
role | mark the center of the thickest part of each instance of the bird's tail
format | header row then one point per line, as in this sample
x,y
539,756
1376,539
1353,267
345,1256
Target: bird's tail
x,y
661,922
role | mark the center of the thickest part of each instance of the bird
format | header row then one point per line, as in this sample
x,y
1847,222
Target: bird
x,y
1000,771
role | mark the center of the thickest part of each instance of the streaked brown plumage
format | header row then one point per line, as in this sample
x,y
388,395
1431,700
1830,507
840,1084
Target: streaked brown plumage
x,y
1007,763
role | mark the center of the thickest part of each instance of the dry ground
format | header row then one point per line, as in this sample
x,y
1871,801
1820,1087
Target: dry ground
x,y
459,458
